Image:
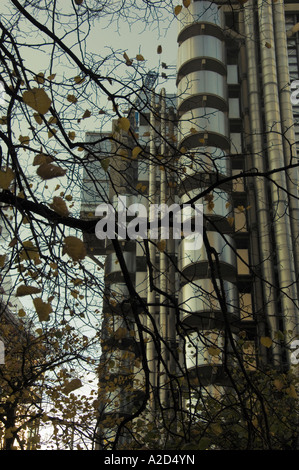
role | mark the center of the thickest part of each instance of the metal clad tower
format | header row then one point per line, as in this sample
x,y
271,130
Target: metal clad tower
x,y
204,140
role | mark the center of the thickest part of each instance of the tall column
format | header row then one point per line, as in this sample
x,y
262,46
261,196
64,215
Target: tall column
x,y
204,142
261,194
279,196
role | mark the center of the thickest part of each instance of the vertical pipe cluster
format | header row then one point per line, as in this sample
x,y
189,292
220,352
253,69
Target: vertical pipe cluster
x,y
271,58
287,122
260,188
204,142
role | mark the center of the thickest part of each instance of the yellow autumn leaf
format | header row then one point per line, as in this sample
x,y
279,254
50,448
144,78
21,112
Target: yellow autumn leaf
x,y
2,260
216,428
78,80
72,99
3,120
120,333
6,177
13,242
38,118
266,341
291,391
58,205
210,206
48,171
178,10
51,77
139,57
74,247
186,3
41,158
105,163
29,252
135,152
127,59
51,133
43,309
230,221
268,45
21,313
124,124
278,384
37,99
72,135
123,153
213,351
86,115
161,245
52,120
24,139
27,290
72,385
75,293
159,49
40,78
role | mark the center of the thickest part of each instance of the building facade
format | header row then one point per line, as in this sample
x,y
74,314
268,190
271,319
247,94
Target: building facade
x,y
227,140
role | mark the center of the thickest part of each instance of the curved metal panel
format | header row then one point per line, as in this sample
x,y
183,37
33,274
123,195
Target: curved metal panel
x,y
121,362
118,292
112,265
196,263
198,13
195,403
204,123
204,348
201,52
200,306
217,207
200,86
205,160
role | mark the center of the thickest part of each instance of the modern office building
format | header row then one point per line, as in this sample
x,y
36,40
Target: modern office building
x,y
221,141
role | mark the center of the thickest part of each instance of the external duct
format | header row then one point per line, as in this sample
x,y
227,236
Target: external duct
x,y
280,200
260,188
